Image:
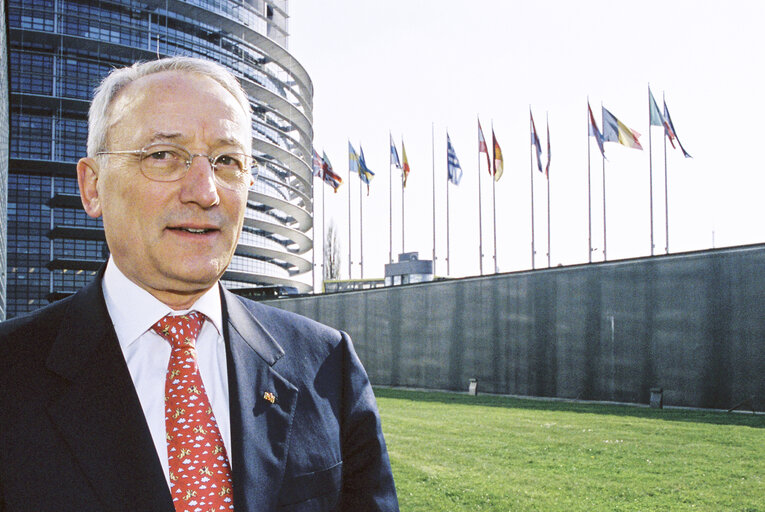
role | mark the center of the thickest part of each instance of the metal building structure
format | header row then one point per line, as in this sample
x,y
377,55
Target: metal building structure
x,y
59,50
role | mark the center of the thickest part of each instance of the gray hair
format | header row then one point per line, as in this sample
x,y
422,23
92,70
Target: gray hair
x,y
99,114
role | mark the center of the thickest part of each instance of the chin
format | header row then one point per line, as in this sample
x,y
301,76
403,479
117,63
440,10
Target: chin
x,y
197,275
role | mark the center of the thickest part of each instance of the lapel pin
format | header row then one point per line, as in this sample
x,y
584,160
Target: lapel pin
x,y
269,396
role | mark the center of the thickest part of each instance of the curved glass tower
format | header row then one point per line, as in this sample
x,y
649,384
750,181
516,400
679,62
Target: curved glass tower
x,y
59,50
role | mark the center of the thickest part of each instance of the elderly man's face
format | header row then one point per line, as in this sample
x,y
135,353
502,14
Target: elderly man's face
x,y
174,239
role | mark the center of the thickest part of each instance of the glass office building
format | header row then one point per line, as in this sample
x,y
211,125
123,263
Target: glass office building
x,y
3,155
59,50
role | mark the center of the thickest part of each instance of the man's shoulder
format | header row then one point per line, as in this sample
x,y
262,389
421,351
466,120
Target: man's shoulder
x,y
26,340
33,324
286,325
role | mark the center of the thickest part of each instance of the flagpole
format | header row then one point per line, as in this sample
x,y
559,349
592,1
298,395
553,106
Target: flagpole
x,y
666,191
547,175
531,175
313,250
350,247
433,169
494,198
603,124
589,186
403,187
650,166
548,223
448,255
605,257
390,203
361,228
323,230
494,214
480,222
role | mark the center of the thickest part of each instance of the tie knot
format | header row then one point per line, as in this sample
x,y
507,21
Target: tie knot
x,y
180,330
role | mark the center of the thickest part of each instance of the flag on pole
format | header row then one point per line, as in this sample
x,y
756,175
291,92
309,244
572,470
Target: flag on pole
x,y
454,170
353,159
365,173
655,115
547,167
316,164
482,147
595,132
535,142
394,154
616,131
670,130
328,175
498,164
406,162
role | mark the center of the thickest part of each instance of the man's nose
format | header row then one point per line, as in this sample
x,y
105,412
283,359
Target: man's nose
x,y
199,183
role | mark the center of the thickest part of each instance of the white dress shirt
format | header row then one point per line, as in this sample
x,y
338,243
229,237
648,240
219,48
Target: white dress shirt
x,y
133,311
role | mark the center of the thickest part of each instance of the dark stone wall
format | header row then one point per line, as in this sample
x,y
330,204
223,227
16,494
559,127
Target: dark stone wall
x,y
693,324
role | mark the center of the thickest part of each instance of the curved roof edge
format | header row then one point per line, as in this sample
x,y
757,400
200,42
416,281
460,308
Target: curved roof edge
x,y
246,277
301,264
295,164
304,242
304,219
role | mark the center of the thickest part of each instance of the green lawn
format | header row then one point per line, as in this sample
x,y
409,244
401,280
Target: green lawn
x,y
452,452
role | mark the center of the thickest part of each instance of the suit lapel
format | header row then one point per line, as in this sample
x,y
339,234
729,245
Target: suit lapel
x,y
98,412
262,404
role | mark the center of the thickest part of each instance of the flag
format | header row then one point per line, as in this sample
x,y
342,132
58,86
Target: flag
x,y
655,115
535,142
498,165
454,170
353,159
547,167
616,131
328,175
670,131
595,132
406,162
316,164
365,173
482,147
394,154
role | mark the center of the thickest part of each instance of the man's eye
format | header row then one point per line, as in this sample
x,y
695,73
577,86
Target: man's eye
x,y
228,161
161,155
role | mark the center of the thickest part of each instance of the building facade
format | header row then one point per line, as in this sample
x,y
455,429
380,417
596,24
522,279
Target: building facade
x,y
59,50
4,129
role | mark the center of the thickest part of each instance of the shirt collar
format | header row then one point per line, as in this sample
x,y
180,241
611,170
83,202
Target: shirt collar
x,y
133,310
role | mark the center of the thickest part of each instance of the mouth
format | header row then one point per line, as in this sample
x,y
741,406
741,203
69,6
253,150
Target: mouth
x,y
192,230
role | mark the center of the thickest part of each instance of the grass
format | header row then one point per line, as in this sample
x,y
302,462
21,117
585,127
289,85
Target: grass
x,y
453,452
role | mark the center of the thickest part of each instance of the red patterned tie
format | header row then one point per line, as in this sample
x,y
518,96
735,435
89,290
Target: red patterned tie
x,y
200,475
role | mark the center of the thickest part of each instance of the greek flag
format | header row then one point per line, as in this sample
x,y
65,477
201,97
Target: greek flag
x,y
453,163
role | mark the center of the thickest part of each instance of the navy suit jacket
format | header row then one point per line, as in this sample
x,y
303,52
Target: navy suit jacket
x,y
73,436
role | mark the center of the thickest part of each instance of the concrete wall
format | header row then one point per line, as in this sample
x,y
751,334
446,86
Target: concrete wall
x,y
693,324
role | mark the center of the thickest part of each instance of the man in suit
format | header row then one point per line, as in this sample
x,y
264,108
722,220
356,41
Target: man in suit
x,y
154,388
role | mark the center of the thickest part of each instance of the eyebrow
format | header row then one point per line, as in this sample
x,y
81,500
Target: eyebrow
x,y
175,136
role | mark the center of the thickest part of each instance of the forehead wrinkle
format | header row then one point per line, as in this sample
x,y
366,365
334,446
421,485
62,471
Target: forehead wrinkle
x,y
178,138
160,136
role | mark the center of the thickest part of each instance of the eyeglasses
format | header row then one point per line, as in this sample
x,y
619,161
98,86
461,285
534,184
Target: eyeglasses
x,y
168,162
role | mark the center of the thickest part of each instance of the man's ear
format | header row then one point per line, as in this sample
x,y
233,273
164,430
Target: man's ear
x,y
87,178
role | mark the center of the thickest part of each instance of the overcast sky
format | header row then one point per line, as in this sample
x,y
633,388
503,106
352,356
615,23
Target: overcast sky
x,y
407,67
